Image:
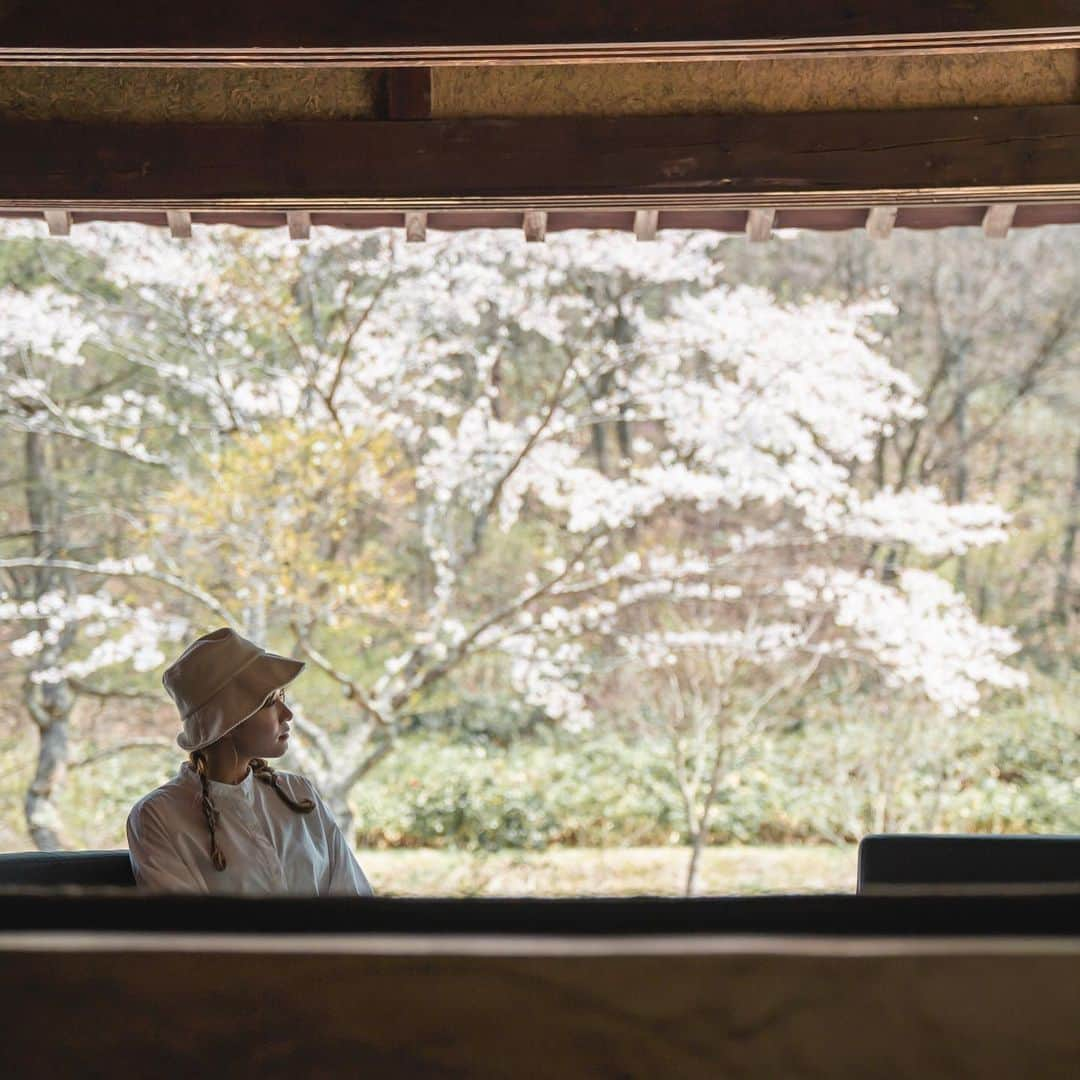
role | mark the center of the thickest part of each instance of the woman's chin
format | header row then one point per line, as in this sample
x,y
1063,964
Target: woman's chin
x,y
280,746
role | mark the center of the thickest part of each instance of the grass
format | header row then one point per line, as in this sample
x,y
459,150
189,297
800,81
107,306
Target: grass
x,y
656,871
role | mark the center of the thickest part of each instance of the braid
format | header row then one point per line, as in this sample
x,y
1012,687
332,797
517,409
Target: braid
x,y
213,814
262,770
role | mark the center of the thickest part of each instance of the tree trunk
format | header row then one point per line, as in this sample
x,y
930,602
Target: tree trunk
x,y
338,802
960,466
49,704
1060,611
51,714
599,430
693,872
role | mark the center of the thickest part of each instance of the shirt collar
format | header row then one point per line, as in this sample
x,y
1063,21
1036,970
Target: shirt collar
x,y
219,791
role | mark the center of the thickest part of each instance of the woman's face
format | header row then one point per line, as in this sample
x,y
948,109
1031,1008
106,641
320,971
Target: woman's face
x,y
265,733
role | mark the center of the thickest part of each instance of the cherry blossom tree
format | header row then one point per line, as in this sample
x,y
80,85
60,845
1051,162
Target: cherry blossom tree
x,y
64,406
577,459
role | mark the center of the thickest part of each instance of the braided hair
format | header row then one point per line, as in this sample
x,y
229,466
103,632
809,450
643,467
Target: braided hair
x,y
262,770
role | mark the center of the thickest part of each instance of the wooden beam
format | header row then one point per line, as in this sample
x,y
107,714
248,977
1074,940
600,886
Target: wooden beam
x,y
415,227
759,222
299,222
998,220
408,93
535,226
880,221
411,32
179,224
59,222
946,216
823,160
995,1002
646,223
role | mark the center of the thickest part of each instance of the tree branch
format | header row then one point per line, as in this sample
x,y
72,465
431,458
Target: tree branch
x,y
181,586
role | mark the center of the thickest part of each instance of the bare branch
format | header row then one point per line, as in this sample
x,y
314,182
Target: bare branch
x,y
87,690
554,401
361,770
120,748
353,691
343,355
433,674
193,591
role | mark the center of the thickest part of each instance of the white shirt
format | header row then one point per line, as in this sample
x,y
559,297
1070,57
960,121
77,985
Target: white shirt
x,y
268,846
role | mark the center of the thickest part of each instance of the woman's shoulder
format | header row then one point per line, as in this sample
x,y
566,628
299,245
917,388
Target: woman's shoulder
x,y
297,784
158,802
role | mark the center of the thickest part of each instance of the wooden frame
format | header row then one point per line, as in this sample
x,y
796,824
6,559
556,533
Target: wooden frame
x,y
404,1005
561,31
824,160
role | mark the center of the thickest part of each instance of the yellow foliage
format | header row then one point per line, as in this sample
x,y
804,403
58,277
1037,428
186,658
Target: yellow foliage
x,y
302,517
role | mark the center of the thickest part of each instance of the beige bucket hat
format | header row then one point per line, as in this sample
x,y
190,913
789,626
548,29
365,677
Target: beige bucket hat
x,y
219,680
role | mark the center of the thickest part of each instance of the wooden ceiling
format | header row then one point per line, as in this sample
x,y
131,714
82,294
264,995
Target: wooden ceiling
x,y
643,116
433,32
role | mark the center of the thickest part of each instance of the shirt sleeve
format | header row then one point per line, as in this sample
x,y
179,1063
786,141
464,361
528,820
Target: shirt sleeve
x,y
157,865
346,877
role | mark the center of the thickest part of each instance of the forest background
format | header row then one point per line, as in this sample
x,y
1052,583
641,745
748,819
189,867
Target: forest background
x,y
596,546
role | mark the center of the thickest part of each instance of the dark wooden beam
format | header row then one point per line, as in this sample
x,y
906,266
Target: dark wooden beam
x,y
407,93
902,158
693,1006
477,31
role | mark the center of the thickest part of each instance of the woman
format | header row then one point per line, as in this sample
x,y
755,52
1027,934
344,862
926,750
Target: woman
x,y
228,822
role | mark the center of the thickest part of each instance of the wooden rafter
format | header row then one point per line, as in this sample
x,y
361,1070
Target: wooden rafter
x,y
824,160
880,221
534,225
646,223
950,215
179,224
415,227
412,32
759,223
59,222
299,222
998,220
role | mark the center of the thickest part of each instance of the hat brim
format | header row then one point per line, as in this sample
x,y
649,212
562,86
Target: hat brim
x,y
238,699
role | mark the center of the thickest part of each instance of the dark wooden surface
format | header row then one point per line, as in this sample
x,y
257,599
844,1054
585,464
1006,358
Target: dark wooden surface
x,y
480,31
406,93
823,160
268,1010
